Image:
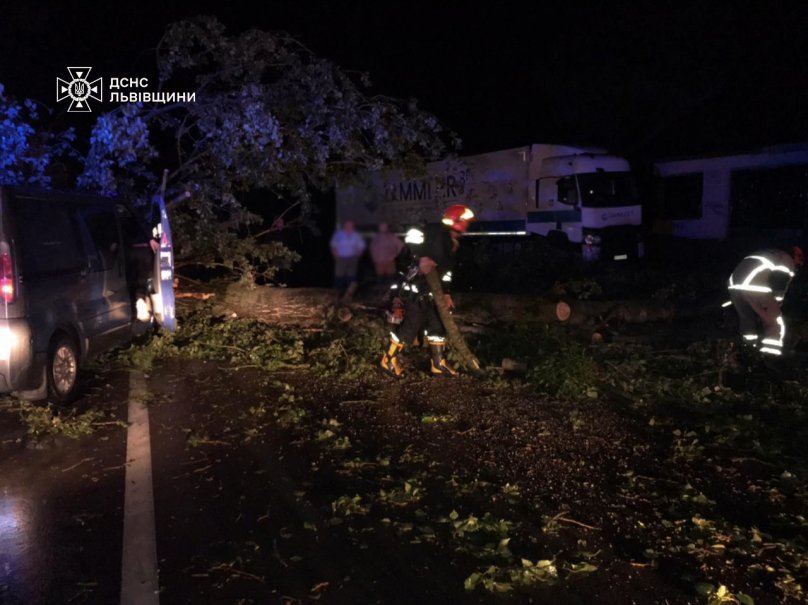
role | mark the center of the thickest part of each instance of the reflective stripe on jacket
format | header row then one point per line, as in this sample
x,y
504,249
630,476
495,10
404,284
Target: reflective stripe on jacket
x,y
766,271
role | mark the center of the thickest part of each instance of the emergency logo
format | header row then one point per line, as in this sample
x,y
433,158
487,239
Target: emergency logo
x,y
79,89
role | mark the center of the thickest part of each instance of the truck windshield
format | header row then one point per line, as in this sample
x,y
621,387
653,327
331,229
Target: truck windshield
x,y
607,189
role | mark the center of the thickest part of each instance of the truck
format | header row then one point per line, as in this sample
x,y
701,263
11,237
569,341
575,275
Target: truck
x,y
577,195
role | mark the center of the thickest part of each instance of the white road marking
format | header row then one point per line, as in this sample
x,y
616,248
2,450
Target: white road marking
x,y
139,582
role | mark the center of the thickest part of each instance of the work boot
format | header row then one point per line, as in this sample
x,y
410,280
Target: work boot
x,y
438,364
389,361
748,355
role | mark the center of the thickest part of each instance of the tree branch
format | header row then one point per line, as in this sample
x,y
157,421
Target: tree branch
x,y
276,226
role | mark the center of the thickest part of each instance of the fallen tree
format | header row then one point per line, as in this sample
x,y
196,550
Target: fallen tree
x,y
278,305
310,306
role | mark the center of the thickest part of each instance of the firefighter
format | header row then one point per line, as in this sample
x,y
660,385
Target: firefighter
x,y
757,287
431,248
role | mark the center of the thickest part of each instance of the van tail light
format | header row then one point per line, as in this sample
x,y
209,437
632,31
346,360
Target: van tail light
x,y
7,289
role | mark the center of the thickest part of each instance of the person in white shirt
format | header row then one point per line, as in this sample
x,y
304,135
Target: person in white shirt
x,y
346,248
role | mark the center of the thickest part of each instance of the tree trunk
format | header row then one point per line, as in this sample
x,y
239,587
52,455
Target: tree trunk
x,y
282,306
488,308
311,306
620,311
456,339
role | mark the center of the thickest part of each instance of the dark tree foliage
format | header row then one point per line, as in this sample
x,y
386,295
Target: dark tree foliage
x,y
268,118
26,150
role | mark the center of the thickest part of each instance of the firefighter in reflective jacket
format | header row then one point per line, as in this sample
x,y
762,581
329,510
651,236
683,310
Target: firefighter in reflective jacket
x,y
757,287
431,248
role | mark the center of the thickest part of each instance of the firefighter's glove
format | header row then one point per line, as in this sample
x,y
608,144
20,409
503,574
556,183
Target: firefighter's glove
x,y
426,265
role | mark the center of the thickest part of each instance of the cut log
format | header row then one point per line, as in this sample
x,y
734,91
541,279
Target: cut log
x,y
487,308
479,307
620,311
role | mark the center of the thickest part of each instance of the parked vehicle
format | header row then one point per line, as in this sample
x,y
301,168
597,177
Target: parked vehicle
x,y
571,194
711,197
75,273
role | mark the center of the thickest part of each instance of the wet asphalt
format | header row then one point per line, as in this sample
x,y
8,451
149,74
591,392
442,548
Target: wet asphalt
x,y
62,511
62,500
61,503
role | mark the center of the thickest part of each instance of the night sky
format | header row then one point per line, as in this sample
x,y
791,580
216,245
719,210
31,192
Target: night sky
x,y
660,79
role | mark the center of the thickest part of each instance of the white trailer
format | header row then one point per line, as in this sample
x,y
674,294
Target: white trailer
x,y
582,195
710,197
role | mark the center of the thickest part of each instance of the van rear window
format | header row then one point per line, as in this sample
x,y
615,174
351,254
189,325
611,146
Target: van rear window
x,y
49,239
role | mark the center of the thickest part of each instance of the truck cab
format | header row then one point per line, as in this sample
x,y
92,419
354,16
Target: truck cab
x,y
589,199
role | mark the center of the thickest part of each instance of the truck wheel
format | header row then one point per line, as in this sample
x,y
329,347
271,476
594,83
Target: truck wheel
x,y
63,370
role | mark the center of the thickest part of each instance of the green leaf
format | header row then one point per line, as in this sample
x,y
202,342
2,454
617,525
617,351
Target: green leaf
x,y
502,547
582,568
502,586
705,588
471,582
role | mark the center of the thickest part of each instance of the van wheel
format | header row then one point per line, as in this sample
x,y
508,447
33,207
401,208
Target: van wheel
x,y
63,370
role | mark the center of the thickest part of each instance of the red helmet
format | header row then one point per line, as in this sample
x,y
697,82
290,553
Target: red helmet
x,y
456,213
798,256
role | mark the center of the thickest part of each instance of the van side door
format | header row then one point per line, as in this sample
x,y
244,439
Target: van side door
x,y
109,313
139,252
163,280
